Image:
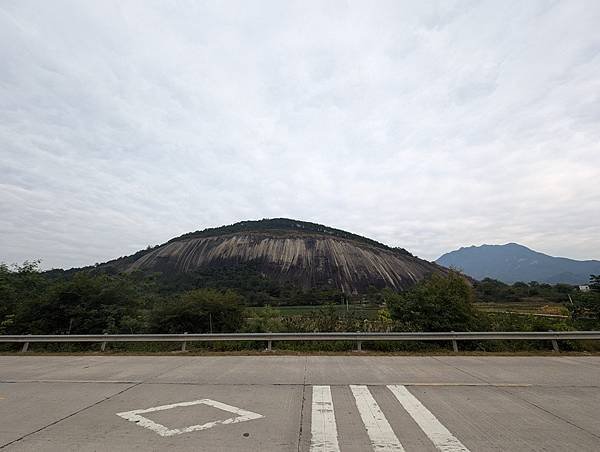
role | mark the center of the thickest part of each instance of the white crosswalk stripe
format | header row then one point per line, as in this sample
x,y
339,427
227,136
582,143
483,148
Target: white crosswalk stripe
x,y
324,433
378,428
439,435
324,437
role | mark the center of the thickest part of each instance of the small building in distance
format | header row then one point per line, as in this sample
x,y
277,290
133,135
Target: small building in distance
x,y
584,288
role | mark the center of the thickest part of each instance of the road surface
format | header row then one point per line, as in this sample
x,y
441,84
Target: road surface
x,y
299,403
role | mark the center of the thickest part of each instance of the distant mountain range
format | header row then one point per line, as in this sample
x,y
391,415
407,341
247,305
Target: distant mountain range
x,y
513,262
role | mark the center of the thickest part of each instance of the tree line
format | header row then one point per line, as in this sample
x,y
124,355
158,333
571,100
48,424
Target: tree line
x,y
87,302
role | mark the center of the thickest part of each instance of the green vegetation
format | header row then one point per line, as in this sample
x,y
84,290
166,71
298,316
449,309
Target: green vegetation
x,y
198,311
88,302
491,290
441,303
255,288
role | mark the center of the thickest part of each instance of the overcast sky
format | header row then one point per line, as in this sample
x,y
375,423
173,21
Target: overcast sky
x,y
425,125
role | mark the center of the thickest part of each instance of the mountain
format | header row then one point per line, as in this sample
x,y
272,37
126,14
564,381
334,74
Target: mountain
x,y
298,253
513,262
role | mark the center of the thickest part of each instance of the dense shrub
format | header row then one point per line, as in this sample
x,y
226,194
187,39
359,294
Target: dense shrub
x,y
199,311
439,303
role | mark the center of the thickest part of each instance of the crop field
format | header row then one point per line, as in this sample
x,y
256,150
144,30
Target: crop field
x,y
528,306
534,306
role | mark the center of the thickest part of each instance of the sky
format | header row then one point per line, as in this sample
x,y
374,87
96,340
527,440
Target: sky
x,y
425,125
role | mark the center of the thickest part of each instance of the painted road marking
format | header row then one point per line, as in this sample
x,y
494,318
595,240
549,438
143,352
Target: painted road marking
x,y
439,435
378,428
135,416
323,429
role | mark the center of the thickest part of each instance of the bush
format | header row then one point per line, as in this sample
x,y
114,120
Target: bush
x,y
439,303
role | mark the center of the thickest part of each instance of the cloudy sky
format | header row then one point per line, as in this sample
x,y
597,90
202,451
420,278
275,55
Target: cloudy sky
x,y
426,125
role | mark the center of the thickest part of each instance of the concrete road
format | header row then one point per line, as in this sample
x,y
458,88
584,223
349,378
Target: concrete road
x,y
299,403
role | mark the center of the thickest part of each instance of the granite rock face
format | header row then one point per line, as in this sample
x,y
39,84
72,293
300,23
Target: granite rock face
x,y
304,257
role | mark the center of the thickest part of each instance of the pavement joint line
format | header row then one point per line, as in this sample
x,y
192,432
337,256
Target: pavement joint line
x,y
550,412
123,382
494,385
460,370
2,446
302,404
367,383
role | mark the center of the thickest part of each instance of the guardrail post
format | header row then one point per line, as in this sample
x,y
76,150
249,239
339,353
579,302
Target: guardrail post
x,y
25,347
103,345
555,345
454,344
358,343
269,345
184,345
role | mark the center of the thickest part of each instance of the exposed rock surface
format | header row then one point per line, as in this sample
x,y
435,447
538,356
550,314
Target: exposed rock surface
x,y
305,254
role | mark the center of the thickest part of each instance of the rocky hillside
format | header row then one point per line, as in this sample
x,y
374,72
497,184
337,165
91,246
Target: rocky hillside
x,y
303,254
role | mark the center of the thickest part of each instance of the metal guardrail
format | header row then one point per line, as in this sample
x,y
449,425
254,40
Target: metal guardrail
x,y
359,338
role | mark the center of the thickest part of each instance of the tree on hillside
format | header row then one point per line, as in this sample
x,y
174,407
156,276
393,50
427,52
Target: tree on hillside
x,y
439,303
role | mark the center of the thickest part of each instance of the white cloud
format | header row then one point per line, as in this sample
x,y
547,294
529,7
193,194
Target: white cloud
x,y
420,124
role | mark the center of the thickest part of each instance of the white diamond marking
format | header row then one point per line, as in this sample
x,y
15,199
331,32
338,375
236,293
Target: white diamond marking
x,y
136,417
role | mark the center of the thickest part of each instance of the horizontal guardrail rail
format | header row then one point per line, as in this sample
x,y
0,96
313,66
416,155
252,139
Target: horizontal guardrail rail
x,y
358,337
